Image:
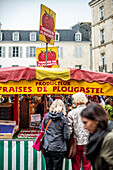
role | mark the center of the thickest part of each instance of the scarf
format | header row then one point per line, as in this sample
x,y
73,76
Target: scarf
x,y
94,144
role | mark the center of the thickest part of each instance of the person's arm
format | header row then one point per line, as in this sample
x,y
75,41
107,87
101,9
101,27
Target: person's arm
x,y
70,122
66,132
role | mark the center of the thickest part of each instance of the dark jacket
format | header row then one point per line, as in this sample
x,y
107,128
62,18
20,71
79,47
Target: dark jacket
x,y
99,149
104,159
57,133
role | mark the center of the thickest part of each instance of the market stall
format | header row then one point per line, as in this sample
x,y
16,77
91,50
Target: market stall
x,y
18,153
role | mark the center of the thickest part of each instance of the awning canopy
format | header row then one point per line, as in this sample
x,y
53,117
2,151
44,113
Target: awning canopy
x,y
28,80
29,73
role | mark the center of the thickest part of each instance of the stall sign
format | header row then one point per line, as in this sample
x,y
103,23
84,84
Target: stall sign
x,y
52,57
35,120
47,25
59,86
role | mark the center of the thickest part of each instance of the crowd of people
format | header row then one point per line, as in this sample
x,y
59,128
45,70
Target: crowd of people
x,y
89,120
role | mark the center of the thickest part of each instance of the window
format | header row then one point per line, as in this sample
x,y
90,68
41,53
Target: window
x,y
112,3
30,51
102,34
0,66
102,13
103,66
15,51
56,36
78,52
32,65
0,36
16,36
2,51
78,37
78,66
103,61
33,36
14,65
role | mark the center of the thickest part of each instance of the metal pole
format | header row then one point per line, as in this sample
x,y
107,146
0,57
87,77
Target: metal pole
x,y
46,52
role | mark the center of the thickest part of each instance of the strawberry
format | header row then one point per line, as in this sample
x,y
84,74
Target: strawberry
x,y
51,55
42,56
48,22
48,56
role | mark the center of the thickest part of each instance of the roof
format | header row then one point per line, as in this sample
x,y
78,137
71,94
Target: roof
x,y
29,73
65,35
91,2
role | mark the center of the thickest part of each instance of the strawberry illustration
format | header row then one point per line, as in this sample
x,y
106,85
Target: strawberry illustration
x,y
48,22
51,55
42,56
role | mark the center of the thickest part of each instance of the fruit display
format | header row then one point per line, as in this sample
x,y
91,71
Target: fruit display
x,y
28,133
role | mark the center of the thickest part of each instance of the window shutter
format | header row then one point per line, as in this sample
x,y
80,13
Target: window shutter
x,y
3,52
80,52
76,52
10,52
27,51
20,52
61,52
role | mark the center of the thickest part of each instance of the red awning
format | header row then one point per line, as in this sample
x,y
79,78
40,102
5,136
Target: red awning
x,y
91,76
29,73
17,73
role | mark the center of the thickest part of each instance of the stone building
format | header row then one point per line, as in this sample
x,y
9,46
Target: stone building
x,y
18,47
102,35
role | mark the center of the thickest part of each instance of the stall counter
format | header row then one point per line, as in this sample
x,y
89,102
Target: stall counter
x,y
18,154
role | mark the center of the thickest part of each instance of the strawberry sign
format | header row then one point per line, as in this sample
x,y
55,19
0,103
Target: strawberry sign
x,y
52,57
47,25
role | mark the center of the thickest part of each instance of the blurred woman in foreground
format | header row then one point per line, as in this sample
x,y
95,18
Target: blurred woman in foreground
x,y
99,149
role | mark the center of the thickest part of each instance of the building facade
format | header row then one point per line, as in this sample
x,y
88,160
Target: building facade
x,y
18,47
102,35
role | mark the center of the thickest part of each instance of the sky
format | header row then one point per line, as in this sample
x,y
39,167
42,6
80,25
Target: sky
x,y
25,14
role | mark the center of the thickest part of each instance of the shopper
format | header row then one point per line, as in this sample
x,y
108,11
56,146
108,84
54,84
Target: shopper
x,y
99,149
40,107
77,130
109,108
54,140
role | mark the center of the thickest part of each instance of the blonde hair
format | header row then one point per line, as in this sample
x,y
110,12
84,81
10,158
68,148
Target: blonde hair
x,y
58,106
80,98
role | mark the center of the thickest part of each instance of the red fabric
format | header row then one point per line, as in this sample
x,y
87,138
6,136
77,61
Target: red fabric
x,y
16,109
91,76
17,73
29,73
76,162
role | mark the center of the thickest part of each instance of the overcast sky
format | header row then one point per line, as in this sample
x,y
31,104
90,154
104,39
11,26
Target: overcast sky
x,y
25,14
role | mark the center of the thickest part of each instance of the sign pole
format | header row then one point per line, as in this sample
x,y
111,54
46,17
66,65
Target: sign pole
x,y
46,52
